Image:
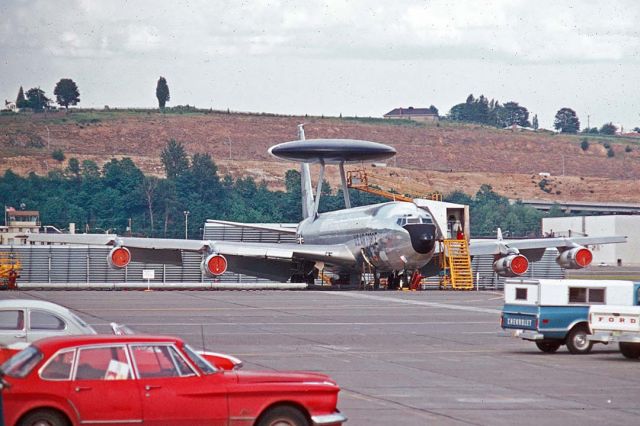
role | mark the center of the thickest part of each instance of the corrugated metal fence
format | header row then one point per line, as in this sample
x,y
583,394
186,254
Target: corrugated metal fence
x,y
51,265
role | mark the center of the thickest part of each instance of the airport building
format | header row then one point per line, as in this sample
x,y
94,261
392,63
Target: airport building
x,y
625,254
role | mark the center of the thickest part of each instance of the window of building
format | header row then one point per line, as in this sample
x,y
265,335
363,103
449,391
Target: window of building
x,y
521,294
45,321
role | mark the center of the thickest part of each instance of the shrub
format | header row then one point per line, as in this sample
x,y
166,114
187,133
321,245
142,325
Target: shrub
x,y
628,148
610,153
584,144
58,155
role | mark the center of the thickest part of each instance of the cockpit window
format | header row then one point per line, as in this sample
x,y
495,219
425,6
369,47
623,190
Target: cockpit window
x,y
402,221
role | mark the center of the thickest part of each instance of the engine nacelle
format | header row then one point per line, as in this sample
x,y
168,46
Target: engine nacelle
x,y
576,258
513,265
214,265
119,257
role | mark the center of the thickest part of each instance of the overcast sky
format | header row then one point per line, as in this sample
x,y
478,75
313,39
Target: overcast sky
x,y
361,57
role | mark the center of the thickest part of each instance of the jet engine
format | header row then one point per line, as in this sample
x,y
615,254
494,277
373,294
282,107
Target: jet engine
x,y
576,258
512,265
214,265
119,257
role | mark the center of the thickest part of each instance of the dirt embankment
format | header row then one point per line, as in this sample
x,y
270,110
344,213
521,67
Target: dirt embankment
x,y
446,157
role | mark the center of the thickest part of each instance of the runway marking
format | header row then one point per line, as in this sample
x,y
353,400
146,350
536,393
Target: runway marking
x,y
323,324
415,302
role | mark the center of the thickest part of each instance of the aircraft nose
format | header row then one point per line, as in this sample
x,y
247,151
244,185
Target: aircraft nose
x,y
423,236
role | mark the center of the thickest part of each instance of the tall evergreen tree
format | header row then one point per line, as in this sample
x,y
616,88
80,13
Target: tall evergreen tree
x,y
67,93
174,159
21,101
534,122
162,92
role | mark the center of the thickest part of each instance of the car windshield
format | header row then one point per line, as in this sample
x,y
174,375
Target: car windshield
x,y
202,363
22,363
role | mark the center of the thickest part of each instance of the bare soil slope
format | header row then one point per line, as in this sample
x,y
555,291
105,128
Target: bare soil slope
x,y
445,157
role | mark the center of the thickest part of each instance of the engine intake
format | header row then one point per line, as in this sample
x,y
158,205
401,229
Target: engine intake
x,y
576,258
513,265
214,265
119,257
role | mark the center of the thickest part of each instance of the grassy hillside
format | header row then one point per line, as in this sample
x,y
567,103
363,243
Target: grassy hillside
x,y
444,157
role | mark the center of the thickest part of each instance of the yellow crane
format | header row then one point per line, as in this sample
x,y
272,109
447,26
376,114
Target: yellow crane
x,y
359,179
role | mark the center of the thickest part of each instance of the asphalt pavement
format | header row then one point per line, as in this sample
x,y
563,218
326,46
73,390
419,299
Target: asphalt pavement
x,y
401,358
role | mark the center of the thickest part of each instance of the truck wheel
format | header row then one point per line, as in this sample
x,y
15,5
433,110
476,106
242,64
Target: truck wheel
x,y
548,346
630,350
577,342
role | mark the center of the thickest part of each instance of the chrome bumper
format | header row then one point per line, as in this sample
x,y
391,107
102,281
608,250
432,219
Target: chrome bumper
x,y
522,334
612,336
329,419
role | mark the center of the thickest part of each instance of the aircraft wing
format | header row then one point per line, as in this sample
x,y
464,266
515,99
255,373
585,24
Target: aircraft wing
x,y
484,247
261,227
269,260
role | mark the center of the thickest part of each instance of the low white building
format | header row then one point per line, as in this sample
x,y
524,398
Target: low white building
x,y
595,226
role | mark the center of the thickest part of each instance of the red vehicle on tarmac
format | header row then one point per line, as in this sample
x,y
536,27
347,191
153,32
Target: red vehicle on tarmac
x,y
155,380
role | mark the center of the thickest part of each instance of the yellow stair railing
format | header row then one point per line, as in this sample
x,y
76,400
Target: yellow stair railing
x,y
455,265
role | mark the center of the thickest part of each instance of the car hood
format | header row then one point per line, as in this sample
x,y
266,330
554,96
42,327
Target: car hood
x,y
283,377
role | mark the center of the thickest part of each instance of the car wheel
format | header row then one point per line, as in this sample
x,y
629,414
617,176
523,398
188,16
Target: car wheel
x,y
577,342
43,418
283,416
630,350
548,346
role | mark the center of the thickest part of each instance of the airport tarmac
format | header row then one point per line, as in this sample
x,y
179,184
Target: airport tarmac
x,y
401,358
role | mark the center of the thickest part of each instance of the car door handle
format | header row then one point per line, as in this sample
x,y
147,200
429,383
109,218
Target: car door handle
x,y
149,387
21,335
82,388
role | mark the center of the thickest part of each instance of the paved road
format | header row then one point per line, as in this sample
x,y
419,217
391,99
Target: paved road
x,y
401,358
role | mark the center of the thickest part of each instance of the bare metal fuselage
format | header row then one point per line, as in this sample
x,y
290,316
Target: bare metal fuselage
x,y
377,235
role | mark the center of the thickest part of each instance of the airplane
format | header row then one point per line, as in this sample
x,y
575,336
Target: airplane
x,y
393,239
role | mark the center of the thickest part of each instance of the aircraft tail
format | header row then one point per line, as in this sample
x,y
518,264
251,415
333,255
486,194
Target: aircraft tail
x,y
305,182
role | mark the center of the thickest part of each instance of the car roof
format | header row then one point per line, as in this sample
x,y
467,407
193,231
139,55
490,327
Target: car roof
x,y
32,304
53,344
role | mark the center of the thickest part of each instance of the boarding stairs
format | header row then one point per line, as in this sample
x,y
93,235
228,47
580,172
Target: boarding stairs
x,y
455,265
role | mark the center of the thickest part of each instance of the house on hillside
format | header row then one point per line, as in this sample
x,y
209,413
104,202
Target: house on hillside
x,y
425,115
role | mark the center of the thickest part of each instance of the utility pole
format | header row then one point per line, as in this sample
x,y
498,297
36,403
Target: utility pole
x,y
186,223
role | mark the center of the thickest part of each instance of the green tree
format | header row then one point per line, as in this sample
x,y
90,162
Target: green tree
x,y
67,93
566,121
511,113
73,167
174,159
534,122
162,92
36,99
608,129
21,101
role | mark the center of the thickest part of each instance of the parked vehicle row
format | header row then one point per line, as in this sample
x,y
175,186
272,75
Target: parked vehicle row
x,y
575,313
60,372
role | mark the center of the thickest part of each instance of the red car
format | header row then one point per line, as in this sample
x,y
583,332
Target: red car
x,y
155,380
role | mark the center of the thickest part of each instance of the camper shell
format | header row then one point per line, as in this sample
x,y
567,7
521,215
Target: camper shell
x,y
555,312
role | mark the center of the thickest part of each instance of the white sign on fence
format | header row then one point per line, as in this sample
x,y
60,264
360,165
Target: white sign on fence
x,y
148,274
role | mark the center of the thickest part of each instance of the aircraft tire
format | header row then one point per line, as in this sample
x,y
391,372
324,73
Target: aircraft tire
x,y
630,350
548,346
577,342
